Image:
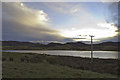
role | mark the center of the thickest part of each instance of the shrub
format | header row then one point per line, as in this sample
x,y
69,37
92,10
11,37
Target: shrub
x,y
11,59
3,59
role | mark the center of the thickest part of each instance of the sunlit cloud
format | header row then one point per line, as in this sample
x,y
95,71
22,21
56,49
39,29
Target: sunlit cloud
x,y
84,23
72,19
108,30
23,23
24,15
21,4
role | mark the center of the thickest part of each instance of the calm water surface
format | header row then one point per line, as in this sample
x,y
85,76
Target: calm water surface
x,y
96,54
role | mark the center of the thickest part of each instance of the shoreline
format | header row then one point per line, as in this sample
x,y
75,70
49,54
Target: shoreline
x,y
30,53
63,56
46,53
62,49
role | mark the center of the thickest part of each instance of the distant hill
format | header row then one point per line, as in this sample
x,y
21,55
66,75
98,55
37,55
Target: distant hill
x,y
16,45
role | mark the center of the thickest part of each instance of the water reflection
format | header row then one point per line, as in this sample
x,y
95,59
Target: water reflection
x,y
96,54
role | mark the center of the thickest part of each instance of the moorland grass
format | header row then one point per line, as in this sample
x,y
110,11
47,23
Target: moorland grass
x,y
31,65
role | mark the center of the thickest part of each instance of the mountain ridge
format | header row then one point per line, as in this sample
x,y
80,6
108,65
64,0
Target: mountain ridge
x,y
58,46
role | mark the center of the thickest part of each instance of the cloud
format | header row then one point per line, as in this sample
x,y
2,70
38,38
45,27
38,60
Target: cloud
x,y
110,0
64,7
113,10
23,23
85,23
20,13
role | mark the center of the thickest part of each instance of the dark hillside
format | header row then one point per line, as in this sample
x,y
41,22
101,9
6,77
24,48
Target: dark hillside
x,y
15,45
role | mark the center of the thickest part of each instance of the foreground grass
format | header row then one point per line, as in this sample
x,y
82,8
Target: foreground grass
x,y
46,70
17,65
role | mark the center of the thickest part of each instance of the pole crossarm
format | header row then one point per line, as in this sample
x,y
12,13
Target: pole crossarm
x,y
77,38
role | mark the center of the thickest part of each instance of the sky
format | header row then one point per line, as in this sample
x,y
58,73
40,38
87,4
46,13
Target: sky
x,y
60,21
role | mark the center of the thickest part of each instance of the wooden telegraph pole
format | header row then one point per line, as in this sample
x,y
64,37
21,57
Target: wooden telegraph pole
x,y
91,48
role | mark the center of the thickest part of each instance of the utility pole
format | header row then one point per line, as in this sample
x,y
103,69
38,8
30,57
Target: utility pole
x,y
91,48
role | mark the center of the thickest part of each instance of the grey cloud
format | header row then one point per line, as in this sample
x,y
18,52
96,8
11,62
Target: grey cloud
x,y
16,25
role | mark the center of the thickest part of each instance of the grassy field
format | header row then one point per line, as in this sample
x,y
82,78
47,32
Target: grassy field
x,y
30,65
